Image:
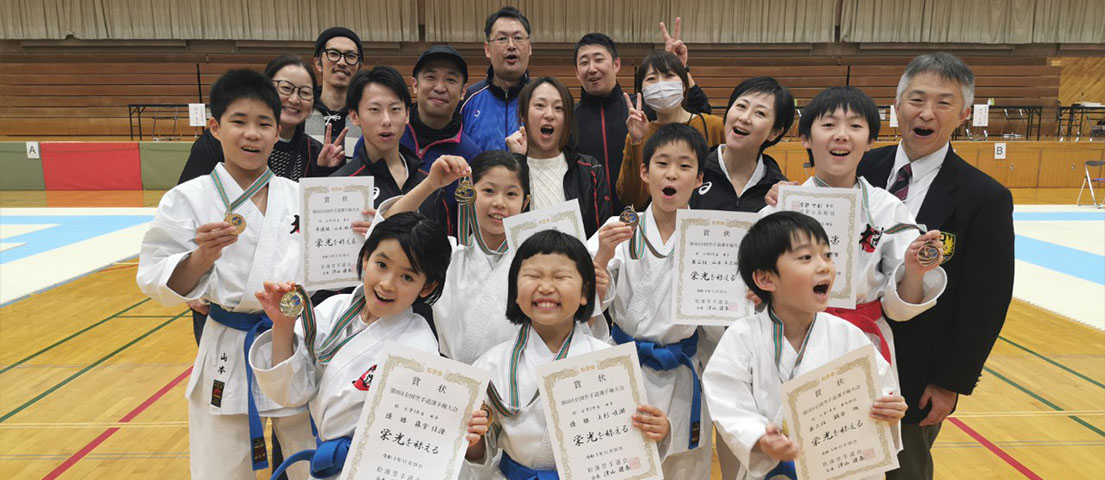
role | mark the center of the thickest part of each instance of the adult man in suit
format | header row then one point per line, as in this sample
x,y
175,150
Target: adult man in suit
x,y
941,352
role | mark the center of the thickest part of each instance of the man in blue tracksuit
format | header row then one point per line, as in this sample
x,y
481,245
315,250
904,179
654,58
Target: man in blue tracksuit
x,y
490,108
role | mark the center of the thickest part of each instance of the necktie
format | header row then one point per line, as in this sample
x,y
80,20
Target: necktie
x,y
900,188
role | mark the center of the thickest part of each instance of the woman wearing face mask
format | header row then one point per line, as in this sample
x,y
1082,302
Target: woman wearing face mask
x,y
556,171
661,83
295,155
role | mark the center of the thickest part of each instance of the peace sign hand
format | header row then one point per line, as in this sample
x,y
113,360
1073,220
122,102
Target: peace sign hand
x,y
636,122
332,154
672,43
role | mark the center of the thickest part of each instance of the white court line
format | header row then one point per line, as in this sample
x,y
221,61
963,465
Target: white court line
x,y
8,231
1088,237
77,211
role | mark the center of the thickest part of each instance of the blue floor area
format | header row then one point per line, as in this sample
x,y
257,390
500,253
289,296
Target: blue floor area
x,y
67,230
1059,216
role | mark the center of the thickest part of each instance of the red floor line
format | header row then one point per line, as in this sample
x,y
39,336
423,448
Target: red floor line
x,y
995,449
76,457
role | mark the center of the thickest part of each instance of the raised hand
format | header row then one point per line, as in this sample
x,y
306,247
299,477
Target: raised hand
x,y
610,236
602,281
270,297
636,122
672,43
446,170
516,142
913,261
332,154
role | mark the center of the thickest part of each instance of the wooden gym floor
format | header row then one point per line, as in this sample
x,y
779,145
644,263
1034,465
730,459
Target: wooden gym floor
x,y
92,378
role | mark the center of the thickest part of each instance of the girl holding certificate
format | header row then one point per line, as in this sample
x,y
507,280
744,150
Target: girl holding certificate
x,y
327,361
470,317
556,171
552,282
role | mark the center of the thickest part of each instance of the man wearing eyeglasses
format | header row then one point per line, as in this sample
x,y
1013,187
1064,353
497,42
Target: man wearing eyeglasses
x,y
490,108
338,56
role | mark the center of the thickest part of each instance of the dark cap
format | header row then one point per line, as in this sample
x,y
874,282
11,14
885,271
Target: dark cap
x,y
332,32
444,52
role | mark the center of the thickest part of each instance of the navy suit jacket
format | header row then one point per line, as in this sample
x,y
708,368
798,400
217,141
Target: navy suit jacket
x,y
948,344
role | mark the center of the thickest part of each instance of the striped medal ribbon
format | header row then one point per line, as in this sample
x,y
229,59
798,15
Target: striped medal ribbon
x,y
639,242
334,341
515,358
231,217
777,339
928,255
468,227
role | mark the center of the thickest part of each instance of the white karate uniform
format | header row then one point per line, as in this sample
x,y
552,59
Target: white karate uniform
x,y
878,272
742,382
267,250
524,436
639,302
335,392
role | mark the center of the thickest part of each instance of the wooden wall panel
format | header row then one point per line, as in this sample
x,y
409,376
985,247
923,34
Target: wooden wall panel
x,y
1082,79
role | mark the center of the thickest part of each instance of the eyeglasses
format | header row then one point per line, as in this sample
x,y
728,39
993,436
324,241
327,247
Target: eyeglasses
x,y
519,40
351,58
287,88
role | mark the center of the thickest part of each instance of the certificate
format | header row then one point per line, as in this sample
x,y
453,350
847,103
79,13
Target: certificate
x,y
838,210
415,418
329,206
563,217
589,402
828,413
708,288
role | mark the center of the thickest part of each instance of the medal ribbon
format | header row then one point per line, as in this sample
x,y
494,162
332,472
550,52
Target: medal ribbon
x,y
468,227
639,241
333,342
246,195
900,227
777,339
515,359
307,319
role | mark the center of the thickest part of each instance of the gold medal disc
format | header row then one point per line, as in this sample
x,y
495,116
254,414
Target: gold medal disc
x,y
291,304
465,194
236,221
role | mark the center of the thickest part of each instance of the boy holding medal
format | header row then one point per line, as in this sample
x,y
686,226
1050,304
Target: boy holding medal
x,y
638,298
786,261
217,238
897,273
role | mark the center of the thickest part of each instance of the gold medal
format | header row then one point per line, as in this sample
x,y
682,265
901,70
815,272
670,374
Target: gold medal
x,y
629,217
465,194
291,304
236,221
928,255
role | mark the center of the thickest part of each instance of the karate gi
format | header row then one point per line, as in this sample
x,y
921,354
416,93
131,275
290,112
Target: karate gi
x,y
639,303
336,391
742,381
524,436
268,249
880,264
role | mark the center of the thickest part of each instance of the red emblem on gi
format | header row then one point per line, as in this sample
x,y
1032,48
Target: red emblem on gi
x,y
365,381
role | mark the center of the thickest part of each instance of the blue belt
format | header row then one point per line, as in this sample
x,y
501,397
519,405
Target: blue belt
x,y
668,357
326,461
782,470
252,324
515,471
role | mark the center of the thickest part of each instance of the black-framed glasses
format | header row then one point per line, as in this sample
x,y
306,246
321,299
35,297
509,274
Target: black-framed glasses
x,y
351,58
287,88
518,39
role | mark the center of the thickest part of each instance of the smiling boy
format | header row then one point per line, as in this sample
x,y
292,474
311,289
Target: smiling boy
x,y
639,300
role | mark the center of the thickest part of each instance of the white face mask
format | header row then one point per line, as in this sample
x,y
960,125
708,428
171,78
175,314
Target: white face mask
x,y
662,96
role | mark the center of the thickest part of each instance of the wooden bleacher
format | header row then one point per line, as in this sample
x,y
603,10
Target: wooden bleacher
x,y
77,97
